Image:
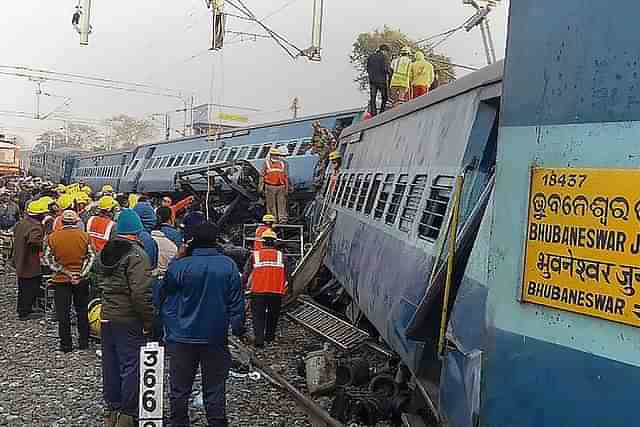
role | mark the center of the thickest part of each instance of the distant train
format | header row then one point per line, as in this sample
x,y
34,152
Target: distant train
x,y
152,168
9,158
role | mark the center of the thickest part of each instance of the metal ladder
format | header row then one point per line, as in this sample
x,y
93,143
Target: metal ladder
x,y
344,335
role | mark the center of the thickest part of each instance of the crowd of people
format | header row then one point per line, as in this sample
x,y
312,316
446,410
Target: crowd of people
x,y
406,77
157,280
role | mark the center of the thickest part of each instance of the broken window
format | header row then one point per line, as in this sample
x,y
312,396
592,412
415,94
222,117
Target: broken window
x,y
435,209
412,203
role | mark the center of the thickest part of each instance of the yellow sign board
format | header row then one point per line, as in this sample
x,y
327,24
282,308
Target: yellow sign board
x,y
233,117
583,242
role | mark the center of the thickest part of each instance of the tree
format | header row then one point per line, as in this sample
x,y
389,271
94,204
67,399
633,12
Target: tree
x,y
71,135
127,131
368,43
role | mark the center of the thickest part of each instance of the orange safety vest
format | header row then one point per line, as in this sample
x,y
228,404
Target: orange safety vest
x,y
268,276
275,173
99,229
257,244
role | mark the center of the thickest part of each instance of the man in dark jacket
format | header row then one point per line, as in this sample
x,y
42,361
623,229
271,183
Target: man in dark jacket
x,y
149,220
124,277
379,71
28,239
204,297
167,226
9,210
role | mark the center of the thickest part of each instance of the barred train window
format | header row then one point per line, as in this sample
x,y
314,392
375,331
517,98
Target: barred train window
x,y
222,154
436,208
384,196
164,162
264,150
336,189
377,180
253,152
305,145
363,192
412,203
242,153
347,191
341,188
396,199
354,194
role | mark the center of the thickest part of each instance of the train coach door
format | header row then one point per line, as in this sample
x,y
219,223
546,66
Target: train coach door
x,y
143,164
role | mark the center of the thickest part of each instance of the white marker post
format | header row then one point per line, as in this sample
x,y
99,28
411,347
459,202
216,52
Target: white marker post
x,y
151,385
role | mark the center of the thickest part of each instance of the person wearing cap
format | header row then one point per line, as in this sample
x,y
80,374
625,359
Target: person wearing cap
x,y
336,163
9,210
124,277
28,238
400,79
64,202
266,275
177,208
203,298
100,226
267,224
167,226
275,175
70,255
107,190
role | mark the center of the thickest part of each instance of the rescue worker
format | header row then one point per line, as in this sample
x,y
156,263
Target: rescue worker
x,y
206,285
379,72
267,224
176,209
101,226
53,212
267,275
275,174
28,239
167,250
70,255
336,163
167,226
107,190
64,202
61,189
124,277
149,220
400,78
9,211
421,76
82,201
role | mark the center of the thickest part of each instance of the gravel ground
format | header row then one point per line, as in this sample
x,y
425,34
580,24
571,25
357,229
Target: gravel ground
x,y
43,387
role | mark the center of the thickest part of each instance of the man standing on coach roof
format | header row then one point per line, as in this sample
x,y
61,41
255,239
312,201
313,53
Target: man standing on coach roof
x,y
203,297
28,239
379,71
124,277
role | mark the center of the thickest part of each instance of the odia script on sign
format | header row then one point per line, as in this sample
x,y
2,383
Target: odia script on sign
x,y
583,242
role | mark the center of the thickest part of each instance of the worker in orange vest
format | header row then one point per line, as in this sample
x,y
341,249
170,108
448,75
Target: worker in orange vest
x,y
178,207
268,285
276,185
267,224
100,226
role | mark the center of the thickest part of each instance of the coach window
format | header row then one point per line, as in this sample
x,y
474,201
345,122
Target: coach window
x,y
366,183
305,145
384,196
213,155
164,161
232,154
242,153
187,159
348,190
356,191
204,156
412,203
435,209
341,188
377,180
178,161
396,199
222,154
155,163
291,147
195,159
264,150
253,152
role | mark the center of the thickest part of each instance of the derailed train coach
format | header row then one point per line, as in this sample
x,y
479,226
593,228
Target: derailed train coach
x,y
539,331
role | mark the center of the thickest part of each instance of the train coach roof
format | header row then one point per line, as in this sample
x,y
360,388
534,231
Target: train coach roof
x,y
89,155
483,77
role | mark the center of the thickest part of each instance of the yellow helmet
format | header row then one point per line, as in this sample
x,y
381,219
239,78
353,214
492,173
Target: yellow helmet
x,y
335,155
107,203
133,200
269,218
269,234
274,151
95,317
65,201
82,198
86,189
47,200
61,188
107,189
38,207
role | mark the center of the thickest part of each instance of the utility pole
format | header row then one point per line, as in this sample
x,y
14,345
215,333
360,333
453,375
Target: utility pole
x,y
38,93
85,22
480,20
295,107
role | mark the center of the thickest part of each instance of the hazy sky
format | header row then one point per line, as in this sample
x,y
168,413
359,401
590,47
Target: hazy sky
x,y
155,41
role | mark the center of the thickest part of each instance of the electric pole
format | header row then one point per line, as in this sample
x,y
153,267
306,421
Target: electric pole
x,y
480,20
295,107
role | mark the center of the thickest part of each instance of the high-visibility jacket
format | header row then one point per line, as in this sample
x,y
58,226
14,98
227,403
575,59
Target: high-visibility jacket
x,y
257,244
421,72
275,172
400,76
268,276
99,229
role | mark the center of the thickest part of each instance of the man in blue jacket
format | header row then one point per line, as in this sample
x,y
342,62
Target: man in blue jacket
x,y
168,227
203,297
148,217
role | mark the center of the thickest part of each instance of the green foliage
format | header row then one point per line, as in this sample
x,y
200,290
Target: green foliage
x,y
368,43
